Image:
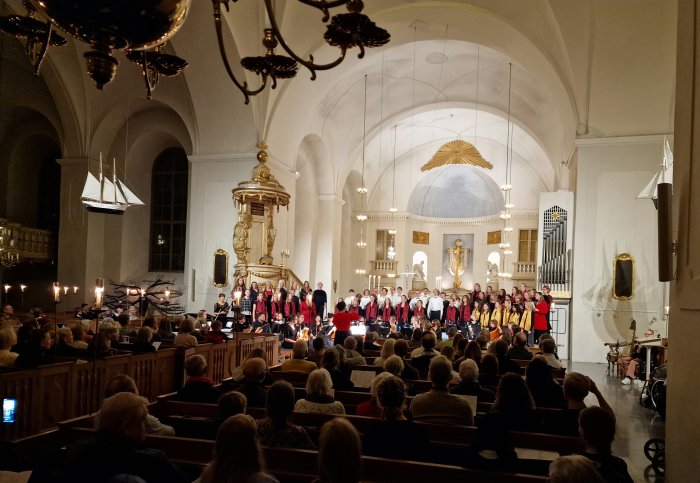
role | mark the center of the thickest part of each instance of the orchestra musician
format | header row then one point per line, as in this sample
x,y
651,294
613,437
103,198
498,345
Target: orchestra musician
x,y
221,309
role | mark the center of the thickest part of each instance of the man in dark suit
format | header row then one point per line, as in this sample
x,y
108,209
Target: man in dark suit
x,y
254,372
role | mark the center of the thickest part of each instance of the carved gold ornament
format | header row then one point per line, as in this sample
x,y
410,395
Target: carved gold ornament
x,y
456,152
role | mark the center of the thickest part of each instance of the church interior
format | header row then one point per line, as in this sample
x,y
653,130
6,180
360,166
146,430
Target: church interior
x,y
500,143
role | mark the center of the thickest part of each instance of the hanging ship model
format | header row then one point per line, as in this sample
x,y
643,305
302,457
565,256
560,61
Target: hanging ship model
x,y
102,195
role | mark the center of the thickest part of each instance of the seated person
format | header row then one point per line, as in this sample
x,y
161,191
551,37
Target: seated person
x,y
597,428
469,383
38,349
231,403
488,371
298,362
519,350
370,408
331,363
254,374
79,343
339,453
545,390
549,348
573,469
504,363
124,383
427,348
438,405
124,329
395,437
143,340
387,351
352,357
237,373
198,388
215,335
8,339
277,430
151,322
117,447
319,395
576,388
401,349
184,338
237,454
319,346
370,343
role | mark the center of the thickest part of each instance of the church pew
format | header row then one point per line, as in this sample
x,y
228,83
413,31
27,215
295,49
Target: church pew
x,y
301,465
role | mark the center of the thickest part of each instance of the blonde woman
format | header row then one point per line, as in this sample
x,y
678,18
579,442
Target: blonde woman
x,y
319,395
386,352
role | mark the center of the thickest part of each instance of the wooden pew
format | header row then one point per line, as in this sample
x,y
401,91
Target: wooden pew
x,y
293,464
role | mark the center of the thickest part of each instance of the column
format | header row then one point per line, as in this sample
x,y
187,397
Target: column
x,y
683,423
330,213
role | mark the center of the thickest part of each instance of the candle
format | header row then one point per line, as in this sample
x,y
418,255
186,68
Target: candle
x,y
22,287
98,297
167,294
379,281
143,293
75,289
237,297
369,281
7,288
56,292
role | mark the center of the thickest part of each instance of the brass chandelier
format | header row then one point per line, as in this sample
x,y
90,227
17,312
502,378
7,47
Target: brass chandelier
x,y
140,29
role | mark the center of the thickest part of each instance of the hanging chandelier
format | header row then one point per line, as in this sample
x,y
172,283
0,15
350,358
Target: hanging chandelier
x,y
140,28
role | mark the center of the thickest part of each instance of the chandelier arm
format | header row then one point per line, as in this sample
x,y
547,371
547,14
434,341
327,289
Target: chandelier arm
x,y
309,64
324,6
38,58
224,57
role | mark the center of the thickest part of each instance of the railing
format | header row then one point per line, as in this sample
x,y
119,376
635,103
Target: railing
x,y
25,242
383,267
524,270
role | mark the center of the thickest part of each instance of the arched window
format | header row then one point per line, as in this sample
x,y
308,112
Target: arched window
x,y
169,211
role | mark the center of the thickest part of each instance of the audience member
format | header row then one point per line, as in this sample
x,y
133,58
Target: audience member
x,y
124,329
298,362
319,347
573,469
438,405
451,333
545,390
101,344
519,349
504,363
254,374
117,447
124,383
469,383
370,344
276,430
237,454
427,348
488,371
143,340
386,352
185,338
597,428
549,348
79,342
340,453
165,331
198,388
352,356
151,322
232,403
319,395
401,349
237,373
395,437
8,339
216,335
371,408
331,363
37,351
576,388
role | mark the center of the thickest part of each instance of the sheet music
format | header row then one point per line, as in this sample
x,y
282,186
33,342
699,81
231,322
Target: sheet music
x,y
362,378
471,400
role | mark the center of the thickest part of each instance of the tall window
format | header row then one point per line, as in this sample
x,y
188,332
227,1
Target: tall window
x,y
527,246
385,239
169,211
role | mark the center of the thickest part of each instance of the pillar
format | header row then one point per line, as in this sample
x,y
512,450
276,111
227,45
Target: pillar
x,y
330,212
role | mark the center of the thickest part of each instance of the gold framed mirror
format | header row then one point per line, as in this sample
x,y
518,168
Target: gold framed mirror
x,y
623,277
220,268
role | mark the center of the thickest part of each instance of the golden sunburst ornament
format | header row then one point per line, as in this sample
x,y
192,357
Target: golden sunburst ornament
x,y
457,152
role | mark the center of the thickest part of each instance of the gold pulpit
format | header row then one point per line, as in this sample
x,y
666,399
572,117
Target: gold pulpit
x,y
256,201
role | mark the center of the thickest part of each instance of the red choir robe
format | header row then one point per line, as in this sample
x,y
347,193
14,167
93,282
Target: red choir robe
x,y
451,315
402,312
541,311
259,308
308,311
386,312
275,307
419,312
371,311
289,308
354,309
464,313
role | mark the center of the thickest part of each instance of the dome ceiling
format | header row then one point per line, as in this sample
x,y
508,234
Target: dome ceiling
x,y
456,191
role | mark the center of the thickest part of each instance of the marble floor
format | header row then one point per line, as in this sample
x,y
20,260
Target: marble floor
x,y
635,423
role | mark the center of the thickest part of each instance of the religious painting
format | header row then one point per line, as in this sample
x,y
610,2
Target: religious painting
x,y
421,237
457,262
493,237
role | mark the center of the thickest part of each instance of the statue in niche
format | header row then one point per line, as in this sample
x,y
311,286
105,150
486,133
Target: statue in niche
x,y
419,271
457,267
267,259
491,271
240,237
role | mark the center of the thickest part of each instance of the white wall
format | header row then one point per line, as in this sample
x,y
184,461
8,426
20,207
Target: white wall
x,y
610,220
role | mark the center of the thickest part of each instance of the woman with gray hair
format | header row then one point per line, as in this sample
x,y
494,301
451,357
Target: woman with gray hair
x,y
469,383
371,408
319,395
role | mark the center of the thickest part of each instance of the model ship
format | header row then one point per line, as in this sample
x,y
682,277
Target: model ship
x,y
107,196
664,175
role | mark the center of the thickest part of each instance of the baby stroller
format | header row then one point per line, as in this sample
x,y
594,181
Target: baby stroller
x,y
655,451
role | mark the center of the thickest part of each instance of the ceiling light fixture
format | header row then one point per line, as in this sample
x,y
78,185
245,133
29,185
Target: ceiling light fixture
x,y
140,28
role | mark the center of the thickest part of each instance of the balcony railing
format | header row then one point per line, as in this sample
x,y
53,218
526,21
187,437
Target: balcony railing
x,y
524,270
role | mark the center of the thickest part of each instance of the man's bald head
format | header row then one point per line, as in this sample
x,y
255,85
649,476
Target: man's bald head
x,y
254,369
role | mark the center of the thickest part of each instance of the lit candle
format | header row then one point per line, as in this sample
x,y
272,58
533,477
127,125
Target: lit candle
x,y
167,294
7,288
22,287
143,293
379,281
65,289
237,297
369,281
98,297
56,292
75,289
